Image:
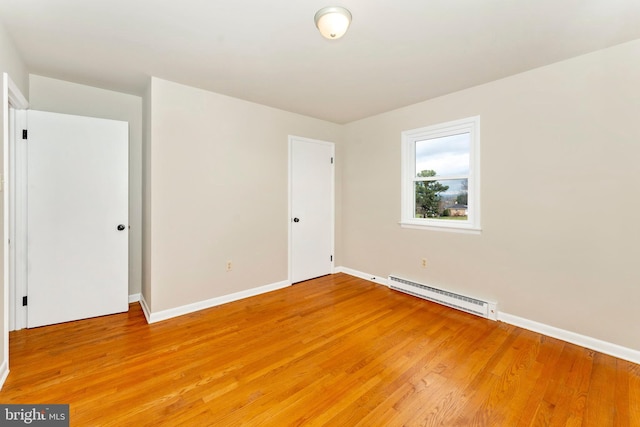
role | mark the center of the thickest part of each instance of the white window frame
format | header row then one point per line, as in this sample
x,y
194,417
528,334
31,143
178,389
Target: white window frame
x,y
409,139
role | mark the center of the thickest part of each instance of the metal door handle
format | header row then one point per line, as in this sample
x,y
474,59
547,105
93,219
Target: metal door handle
x,y
121,227
296,219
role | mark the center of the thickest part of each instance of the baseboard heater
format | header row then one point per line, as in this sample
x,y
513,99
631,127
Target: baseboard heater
x,y
478,307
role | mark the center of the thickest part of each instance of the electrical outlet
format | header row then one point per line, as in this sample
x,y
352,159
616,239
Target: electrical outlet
x,y
229,265
424,263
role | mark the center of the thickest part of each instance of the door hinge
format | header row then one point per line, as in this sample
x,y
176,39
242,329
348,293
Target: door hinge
x,y
24,301
24,134
331,257
332,160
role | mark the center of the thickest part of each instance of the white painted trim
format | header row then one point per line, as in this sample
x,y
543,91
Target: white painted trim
x,y
14,181
10,213
289,207
5,261
16,98
145,308
134,298
443,227
19,235
290,192
4,372
572,337
213,302
370,277
604,347
11,97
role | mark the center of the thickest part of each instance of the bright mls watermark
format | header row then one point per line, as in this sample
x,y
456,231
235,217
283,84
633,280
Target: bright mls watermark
x,y
34,415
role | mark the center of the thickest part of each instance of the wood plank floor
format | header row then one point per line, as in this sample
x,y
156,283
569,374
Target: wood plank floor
x,y
336,351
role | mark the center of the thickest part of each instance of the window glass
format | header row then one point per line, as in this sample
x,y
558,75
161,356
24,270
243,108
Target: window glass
x,y
447,155
443,199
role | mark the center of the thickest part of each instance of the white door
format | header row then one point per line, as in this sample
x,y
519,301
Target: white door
x,y
312,208
77,217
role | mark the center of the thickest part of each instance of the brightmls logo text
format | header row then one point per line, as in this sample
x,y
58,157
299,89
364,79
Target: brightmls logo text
x,y
28,416
36,415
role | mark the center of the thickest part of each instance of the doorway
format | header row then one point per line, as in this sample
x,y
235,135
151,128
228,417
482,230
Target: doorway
x,y
14,104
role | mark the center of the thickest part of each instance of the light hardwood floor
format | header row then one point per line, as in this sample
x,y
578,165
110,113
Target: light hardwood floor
x,y
336,351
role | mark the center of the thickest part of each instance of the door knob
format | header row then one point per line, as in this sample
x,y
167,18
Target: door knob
x,y
121,227
296,219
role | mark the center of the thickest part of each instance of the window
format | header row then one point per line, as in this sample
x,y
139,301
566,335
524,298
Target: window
x,y
440,176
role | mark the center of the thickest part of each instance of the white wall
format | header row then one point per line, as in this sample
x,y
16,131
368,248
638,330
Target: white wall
x,y
59,96
12,63
560,147
217,191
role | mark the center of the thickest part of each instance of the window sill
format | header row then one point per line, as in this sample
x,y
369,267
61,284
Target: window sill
x,y
452,228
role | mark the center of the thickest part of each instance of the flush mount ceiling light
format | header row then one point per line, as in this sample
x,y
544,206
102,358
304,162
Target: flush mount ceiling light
x,y
333,21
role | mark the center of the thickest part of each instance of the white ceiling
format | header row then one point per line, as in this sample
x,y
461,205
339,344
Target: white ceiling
x,y
396,53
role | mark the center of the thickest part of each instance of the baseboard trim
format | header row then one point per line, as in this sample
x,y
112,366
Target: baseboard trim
x,y
370,277
145,308
4,372
201,305
572,337
134,298
605,347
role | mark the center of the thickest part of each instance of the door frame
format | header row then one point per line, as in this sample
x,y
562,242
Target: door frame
x,y
15,208
13,105
18,234
16,160
332,145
